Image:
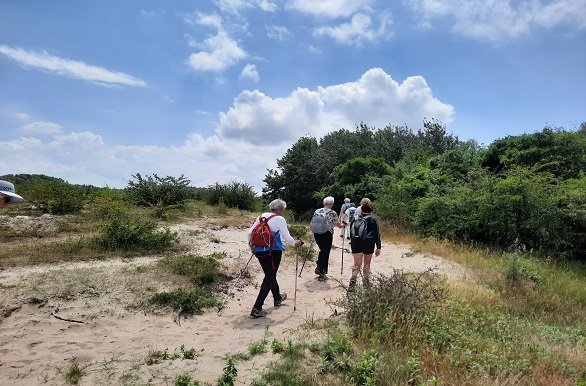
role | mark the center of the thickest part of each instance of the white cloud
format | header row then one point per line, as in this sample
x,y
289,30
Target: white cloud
x,y
329,8
375,98
221,52
41,127
498,20
249,72
358,30
209,20
277,32
70,68
249,137
234,6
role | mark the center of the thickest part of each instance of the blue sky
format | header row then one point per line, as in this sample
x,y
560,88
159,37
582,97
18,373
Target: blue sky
x,y
95,91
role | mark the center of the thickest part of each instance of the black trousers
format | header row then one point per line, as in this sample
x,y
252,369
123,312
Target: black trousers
x,y
324,243
270,266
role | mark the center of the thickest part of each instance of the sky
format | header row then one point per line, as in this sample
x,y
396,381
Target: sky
x,y
96,91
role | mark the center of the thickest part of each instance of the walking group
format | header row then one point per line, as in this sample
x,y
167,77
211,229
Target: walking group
x,y
356,224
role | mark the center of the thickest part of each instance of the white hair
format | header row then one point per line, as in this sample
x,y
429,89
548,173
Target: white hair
x,y
328,200
277,204
346,200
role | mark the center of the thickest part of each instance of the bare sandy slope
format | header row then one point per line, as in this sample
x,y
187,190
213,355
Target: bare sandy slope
x,y
114,340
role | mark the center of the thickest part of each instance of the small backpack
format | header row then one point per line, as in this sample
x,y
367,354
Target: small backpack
x,y
351,215
359,229
319,223
261,235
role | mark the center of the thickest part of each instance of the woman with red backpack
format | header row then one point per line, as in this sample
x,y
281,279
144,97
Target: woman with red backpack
x,y
265,238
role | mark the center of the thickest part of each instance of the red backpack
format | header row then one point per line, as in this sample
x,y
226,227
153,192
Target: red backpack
x,y
261,235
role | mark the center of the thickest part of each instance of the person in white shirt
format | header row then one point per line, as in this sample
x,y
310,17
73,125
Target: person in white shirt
x,y
343,209
269,257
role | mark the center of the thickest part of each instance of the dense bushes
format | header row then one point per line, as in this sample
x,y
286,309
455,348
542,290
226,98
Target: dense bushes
x,y
130,234
155,191
234,195
523,190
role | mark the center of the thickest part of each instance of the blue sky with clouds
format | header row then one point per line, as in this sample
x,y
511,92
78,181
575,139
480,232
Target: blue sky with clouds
x,y
94,91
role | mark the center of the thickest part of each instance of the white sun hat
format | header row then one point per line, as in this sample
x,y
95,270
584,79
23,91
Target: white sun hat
x,y
7,189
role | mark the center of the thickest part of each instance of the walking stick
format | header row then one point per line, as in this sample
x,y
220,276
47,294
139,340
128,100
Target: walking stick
x,y
296,268
221,307
305,259
343,239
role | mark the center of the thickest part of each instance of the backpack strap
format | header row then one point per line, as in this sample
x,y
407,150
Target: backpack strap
x,y
266,219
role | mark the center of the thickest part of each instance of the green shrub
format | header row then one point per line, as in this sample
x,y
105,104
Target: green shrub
x,y
154,191
57,197
128,234
200,270
186,380
234,195
229,374
186,301
75,372
393,305
519,270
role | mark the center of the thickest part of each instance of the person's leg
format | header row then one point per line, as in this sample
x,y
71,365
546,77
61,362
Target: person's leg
x,y
322,243
268,281
355,270
366,270
329,237
276,262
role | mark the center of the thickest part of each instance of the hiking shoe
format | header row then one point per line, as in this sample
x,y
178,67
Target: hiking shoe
x,y
322,277
279,301
352,285
258,313
366,283
317,271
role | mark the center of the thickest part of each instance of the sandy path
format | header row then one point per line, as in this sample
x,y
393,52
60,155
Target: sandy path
x,y
115,341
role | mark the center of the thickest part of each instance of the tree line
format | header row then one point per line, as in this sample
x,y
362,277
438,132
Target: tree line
x,y
520,192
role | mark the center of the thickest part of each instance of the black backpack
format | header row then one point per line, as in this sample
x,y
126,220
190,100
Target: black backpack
x,y
359,229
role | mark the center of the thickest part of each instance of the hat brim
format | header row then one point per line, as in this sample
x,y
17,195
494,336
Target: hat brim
x,y
14,198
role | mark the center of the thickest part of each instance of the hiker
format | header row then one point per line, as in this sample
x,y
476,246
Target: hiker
x,y
269,256
322,225
342,215
364,201
365,235
349,217
8,194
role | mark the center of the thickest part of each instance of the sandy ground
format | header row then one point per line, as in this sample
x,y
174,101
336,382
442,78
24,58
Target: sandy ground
x,y
114,340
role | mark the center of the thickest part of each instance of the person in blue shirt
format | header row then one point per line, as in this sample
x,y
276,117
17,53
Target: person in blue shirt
x,y
270,257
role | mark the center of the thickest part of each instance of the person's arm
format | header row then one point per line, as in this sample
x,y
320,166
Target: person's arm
x,y
281,224
378,242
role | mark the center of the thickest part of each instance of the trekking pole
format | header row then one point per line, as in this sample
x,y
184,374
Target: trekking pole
x,y
343,240
221,307
296,268
305,259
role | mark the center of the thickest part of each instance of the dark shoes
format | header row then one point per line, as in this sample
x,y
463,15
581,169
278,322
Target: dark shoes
x,y
258,313
322,277
352,285
283,297
317,271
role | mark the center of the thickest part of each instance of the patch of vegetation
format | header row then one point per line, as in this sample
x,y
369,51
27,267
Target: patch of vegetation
x,y
229,374
186,380
155,191
75,372
201,270
158,356
233,195
129,234
186,301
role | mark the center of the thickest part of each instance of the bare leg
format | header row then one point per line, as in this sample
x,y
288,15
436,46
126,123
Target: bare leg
x,y
366,270
355,269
